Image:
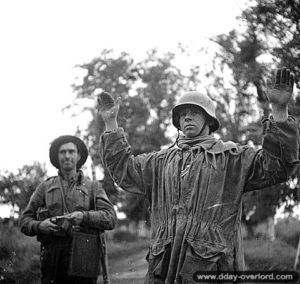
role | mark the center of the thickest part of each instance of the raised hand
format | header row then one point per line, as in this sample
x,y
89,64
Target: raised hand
x,y
109,109
105,101
280,92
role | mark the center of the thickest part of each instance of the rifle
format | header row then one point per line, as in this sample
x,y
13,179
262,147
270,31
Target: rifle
x,y
103,255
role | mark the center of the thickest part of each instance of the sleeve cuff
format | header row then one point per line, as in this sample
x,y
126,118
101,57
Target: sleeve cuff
x,y
119,129
86,217
35,226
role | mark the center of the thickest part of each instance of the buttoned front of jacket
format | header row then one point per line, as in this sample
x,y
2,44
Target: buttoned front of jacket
x,y
87,196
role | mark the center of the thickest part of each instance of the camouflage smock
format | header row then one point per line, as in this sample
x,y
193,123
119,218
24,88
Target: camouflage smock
x,y
195,192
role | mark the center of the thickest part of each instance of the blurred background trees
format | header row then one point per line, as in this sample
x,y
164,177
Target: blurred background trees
x,y
267,38
148,89
16,188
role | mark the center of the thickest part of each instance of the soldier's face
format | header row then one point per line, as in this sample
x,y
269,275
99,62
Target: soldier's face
x,y
191,120
68,156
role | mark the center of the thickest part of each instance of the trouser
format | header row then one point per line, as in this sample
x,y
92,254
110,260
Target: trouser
x,y
54,263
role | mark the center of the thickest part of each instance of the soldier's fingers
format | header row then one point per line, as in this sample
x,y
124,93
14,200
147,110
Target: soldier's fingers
x,y
291,82
283,75
287,76
278,76
56,228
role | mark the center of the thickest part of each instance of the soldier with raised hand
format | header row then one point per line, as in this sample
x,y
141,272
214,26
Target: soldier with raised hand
x,y
195,187
64,203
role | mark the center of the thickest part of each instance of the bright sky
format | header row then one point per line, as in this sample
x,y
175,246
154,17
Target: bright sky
x,y
42,41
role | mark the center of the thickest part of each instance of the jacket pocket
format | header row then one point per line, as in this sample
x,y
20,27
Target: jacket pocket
x,y
201,256
82,198
158,261
53,198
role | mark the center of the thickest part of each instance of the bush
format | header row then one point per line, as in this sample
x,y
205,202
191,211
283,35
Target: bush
x,y
121,235
266,255
19,256
121,242
288,230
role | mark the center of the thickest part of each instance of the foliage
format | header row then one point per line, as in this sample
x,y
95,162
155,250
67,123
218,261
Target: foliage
x,y
259,205
269,29
136,207
122,247
126,260
268,38
19,256
262,255
277,22
122,236
254,207
236,100
288,230
16,188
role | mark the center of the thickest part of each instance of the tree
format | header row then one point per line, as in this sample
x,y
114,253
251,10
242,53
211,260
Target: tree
x,y
271,29
278,21
16,189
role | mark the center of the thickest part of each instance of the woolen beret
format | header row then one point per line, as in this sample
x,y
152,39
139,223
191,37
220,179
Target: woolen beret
x,y
56,143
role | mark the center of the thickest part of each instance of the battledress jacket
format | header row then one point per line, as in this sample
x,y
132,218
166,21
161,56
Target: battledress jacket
x,y
195,192
80,197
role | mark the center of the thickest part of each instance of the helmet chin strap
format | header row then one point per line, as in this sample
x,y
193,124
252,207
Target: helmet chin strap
x,y
204,125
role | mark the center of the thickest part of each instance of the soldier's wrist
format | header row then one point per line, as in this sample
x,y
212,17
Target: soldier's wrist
x,y
37,227
111,124
280,112
85,219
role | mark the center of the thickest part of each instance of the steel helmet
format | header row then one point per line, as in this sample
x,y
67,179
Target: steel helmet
x,y
197,99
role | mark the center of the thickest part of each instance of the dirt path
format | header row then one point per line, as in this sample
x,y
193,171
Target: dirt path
x,y
128,269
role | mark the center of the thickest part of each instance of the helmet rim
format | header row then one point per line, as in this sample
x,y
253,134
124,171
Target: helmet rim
x,y
196,99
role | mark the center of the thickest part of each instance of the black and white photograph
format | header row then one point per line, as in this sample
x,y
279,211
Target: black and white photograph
x,y
149,142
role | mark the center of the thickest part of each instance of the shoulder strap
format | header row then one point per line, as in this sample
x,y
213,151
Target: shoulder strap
x,y
94,194
103,255
63,195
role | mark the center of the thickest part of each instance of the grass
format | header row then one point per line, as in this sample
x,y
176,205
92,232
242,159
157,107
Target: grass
x,y
269,255
122,248
126,256
128,281
19,256
288,229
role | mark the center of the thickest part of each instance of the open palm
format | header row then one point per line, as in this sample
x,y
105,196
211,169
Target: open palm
x,y
280,92
108,107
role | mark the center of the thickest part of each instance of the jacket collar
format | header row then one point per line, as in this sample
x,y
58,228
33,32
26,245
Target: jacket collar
x,y
208,143
80,179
